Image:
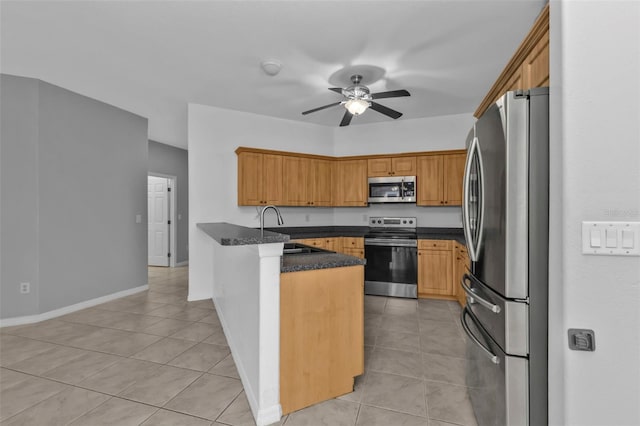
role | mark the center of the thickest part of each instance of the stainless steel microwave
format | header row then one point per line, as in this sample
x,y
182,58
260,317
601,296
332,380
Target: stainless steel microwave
x,y
393,189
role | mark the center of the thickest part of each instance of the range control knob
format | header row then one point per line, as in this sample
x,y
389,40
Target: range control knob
x,y
410,222
379,221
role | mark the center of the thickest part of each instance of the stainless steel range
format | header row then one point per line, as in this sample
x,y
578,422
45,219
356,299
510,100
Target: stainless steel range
x,y
391,250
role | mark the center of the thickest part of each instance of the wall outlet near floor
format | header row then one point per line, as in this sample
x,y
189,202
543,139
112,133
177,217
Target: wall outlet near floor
x,y
25,288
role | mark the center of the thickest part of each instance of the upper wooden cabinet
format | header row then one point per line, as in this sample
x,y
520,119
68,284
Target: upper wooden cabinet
x,y
439,179
391,166
292,179
308,181
350,187
259,179
528,67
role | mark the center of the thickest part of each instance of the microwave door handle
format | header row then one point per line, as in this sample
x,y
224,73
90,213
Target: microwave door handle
x,y
475,298
463,320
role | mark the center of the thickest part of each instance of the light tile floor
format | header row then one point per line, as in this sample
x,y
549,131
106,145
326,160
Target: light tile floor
x,y
154,359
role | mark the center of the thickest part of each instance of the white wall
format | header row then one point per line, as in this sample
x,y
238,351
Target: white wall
x,y
595,86
214,134
427,134
73,181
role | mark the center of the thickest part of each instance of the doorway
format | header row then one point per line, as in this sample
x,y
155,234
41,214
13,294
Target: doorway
x,y
161,223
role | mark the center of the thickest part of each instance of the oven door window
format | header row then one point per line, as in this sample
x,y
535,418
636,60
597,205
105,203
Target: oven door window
x,y
385,190
391,264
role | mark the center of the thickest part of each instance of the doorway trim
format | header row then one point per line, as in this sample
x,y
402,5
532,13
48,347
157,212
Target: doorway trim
x,y
173,184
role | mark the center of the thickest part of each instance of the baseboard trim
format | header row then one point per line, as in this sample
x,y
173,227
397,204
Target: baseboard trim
x,y
183,263
29,319
264,416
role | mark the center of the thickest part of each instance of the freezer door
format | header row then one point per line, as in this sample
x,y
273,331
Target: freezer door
x,y
502,145
497,383
507,321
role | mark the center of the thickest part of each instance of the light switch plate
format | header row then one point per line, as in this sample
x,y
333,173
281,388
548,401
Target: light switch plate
x,y
611,238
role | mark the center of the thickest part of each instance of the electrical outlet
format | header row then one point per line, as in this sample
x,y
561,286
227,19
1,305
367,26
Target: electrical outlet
x,y
306,217
25,288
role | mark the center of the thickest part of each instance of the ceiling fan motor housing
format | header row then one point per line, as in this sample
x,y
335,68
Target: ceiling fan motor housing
x,y
357,91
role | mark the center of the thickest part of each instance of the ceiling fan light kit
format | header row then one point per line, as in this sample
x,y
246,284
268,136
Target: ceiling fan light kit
x,y
358,99
356,106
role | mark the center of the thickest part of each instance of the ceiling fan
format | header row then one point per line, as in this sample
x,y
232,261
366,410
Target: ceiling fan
x,y
358,99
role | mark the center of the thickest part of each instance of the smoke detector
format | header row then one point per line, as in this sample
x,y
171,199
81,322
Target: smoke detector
x,y
271,67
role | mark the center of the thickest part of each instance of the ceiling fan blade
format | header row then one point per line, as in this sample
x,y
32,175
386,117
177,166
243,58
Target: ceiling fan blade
x,y
322,107
386,111
346,119
336,89
391,94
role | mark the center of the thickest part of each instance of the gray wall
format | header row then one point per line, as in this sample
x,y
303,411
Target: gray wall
x,y
73,180
169,160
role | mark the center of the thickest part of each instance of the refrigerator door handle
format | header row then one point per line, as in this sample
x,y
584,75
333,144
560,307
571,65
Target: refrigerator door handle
x,y
474,297
473,244
493,357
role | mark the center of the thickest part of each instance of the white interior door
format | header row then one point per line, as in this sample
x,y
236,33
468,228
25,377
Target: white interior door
x,y
158,214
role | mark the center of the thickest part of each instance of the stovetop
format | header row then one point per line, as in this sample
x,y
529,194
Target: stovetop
x,y
392,227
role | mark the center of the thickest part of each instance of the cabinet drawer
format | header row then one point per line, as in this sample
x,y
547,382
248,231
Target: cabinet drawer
x,y
434,244
352,242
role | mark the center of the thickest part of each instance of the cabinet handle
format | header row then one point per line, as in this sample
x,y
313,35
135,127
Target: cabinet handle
x,y
441,202
446,202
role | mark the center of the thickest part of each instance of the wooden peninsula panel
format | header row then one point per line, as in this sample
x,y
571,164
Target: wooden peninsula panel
x,y
321,334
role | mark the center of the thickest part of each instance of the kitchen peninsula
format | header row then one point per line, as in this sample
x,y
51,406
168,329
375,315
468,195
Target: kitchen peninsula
x,y
294,322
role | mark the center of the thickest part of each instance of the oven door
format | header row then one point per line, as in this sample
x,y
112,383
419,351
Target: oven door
x,y
498,384
391,268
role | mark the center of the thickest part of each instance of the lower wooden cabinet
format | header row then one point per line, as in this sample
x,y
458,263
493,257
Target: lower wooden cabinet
x,y
357,252
435,269
461,265
353,246
321,334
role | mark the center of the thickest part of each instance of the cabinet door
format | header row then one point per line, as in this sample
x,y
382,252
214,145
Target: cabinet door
x,y
320,182
295,171
356,252
351,185
250,181
453,166
434,273
535,69
353,242
379,167
403,166
272,179
461,263
429,180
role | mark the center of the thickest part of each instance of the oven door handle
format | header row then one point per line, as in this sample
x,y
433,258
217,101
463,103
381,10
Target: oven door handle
x,y
493,357
390,242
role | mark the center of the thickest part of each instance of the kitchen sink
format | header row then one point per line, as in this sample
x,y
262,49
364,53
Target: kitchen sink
x,y
297,248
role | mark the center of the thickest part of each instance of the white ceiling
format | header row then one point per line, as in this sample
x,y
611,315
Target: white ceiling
x,y
154,57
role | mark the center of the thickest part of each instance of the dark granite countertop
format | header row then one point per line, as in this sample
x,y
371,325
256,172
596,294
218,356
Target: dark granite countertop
x,y
301,232
228,234
456,234
307,262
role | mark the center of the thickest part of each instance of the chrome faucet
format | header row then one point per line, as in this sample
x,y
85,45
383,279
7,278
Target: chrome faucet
x,y
280,221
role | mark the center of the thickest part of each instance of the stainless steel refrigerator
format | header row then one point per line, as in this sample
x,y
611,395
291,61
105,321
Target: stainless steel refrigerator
x,y
505,218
